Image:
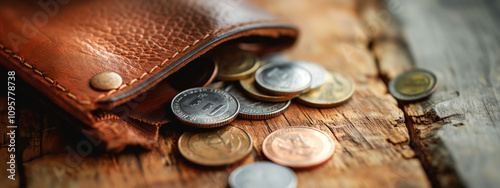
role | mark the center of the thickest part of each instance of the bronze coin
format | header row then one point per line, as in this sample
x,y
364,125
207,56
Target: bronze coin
x,y
336,90
298,146
217,147
197,73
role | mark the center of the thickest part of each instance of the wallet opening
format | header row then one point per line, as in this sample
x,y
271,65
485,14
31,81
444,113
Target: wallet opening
x,y
140,117
276,36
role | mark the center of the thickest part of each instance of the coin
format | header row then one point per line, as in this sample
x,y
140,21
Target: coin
x,y
248,85
336,90
298,146
221,146
205,107
235,64
283,79
413,85
318,73
263,174
204,70
253,109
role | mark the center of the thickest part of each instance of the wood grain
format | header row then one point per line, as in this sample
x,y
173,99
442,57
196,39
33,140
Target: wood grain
x,y
369,130
456,131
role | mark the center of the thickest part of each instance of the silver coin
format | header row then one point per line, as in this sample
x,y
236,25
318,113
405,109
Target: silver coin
x,y
283,79
318,73
263,174
254,109
205,107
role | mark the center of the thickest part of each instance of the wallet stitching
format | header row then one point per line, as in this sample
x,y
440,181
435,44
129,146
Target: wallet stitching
x,y
88,102
165,61
174,55
46,78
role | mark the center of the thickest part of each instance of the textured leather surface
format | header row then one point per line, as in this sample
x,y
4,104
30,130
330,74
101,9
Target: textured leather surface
x,y
56,46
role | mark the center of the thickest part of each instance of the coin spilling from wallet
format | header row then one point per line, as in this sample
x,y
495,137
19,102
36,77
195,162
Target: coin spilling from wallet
x,y
249,88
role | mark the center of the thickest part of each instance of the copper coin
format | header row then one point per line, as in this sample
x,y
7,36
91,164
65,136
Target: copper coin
x,y
197,73
337,89
217,147
298,146
248,85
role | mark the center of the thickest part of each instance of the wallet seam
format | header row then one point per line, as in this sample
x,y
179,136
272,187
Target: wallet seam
x,y
38,72
88,102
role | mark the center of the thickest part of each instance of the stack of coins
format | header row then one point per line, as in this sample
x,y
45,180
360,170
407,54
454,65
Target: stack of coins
x,y
250,89
265,90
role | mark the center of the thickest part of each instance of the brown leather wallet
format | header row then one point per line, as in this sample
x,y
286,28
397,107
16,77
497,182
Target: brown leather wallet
x,y
57,46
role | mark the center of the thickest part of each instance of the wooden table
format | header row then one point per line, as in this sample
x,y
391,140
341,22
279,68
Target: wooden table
x,y
449,140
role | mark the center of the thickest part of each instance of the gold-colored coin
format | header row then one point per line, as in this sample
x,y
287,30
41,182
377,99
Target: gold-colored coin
x,y
413,85
336,90
217,147
235,64
248,85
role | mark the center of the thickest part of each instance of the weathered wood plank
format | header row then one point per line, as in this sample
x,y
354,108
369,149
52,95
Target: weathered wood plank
x,y
369,131
456,132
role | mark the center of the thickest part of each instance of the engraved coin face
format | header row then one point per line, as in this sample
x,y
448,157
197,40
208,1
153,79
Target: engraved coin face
x,y
236,64
254,109
248,85
283,79
298,147
217,147
318,73
205,107
263,174
336,90
413,85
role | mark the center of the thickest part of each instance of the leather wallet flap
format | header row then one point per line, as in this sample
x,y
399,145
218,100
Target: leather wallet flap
x,y
57,46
